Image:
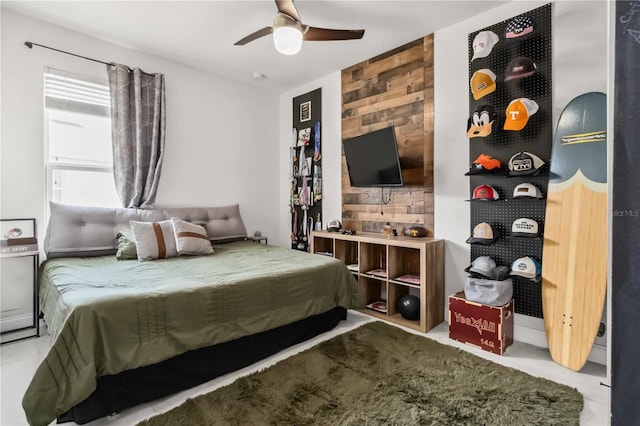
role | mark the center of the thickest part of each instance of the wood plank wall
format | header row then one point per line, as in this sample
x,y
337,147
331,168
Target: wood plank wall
x,y
395,88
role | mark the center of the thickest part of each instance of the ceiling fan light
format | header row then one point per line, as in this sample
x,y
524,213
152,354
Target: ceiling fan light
x,y
287,39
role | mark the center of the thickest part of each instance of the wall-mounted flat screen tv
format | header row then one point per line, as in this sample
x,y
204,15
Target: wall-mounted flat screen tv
x,y
372,159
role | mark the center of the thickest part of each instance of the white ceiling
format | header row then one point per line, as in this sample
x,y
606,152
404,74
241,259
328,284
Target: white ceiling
x,y
201,33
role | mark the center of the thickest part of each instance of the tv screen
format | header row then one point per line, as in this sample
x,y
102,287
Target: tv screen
x,y
372,159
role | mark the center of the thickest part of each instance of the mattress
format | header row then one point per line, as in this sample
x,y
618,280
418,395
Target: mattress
x,y
107,316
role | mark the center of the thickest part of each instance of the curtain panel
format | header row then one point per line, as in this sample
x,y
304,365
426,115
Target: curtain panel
x,y
138,121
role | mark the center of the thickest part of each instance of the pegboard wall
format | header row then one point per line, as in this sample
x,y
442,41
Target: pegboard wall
x,y
529,37
305,198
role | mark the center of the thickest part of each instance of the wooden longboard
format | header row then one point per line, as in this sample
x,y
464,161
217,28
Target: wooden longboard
x,y
574,256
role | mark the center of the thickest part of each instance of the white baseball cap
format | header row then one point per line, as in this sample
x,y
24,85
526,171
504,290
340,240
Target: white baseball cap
x,y
483,44
525,227
334,225
526,267
527,190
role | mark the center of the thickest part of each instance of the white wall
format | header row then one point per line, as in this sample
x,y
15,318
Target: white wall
x,y
579,65
331,133
221,145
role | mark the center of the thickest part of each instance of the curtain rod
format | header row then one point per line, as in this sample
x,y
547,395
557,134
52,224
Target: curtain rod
x,y
30,46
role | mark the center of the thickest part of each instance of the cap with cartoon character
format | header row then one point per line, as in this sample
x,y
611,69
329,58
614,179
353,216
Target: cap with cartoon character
x,y
481,121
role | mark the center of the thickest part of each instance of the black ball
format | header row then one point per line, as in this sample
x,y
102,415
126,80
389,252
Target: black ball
x,y
409,307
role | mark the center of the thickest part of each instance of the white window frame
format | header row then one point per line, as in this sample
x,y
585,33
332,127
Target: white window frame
x,y
51,167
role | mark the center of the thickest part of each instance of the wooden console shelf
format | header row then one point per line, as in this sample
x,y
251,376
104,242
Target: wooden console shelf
x,y
377,262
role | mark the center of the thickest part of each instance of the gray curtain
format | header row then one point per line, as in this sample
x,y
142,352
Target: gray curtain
x,y
138,118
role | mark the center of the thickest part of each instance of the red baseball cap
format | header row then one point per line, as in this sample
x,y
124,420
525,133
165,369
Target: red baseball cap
x,y
485,192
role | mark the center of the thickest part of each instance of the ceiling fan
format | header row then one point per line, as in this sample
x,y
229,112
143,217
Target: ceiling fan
x,y
288,31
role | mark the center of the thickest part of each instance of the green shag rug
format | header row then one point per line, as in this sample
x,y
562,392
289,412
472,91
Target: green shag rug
x,y
378,374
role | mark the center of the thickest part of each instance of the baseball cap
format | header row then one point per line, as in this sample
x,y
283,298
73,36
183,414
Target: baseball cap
x,y
481,121
520,67
483,233
500,273
518,113
524,163
525,227
485,192
519,26
482,83
482,266
527,190
484,164
334,225
526,267
483,43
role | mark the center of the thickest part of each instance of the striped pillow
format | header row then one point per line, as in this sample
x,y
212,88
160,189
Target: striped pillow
x,y
191,238
154,240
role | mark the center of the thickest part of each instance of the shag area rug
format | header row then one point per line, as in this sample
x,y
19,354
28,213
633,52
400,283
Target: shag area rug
x,y
378,374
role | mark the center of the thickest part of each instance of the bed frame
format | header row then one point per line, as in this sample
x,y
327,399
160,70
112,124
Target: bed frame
x,y
129,388
90,231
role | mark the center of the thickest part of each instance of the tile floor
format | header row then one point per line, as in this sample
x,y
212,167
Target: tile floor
x,y
20,359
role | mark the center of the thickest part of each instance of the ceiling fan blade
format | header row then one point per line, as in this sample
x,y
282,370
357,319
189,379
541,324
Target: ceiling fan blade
x,y
324,34
288,8
254,36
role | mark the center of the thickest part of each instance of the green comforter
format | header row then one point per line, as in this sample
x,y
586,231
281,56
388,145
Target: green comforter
x,y
106,316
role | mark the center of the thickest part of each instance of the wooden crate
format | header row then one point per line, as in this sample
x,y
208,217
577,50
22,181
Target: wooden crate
x,y
487,327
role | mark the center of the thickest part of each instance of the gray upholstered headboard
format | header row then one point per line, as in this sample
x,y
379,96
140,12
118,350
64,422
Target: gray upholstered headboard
x,y
91,231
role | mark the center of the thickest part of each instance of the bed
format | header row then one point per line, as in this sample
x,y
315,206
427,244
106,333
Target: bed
x,y
126,332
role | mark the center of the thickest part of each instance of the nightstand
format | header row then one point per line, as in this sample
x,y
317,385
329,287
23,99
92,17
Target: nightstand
x,y
20,308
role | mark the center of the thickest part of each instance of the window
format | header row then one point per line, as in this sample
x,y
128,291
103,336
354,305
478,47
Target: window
x,y
79,160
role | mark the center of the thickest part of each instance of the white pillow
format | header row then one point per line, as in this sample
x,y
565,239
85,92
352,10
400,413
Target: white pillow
x,y
154,240
191,238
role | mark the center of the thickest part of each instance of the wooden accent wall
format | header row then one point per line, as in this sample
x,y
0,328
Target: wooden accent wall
x,y
395,88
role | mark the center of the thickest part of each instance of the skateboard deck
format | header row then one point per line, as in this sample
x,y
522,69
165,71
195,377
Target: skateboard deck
x,y
574,256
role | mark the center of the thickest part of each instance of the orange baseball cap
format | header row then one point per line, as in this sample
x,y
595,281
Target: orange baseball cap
x,y
482,83
484,164
518,113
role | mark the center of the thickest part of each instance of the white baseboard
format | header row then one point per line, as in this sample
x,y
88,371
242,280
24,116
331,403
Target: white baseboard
x,y
538,338
530,330
16,323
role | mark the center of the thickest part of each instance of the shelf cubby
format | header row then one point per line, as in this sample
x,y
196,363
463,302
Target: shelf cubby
x,y
322,245
422,258
347,251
